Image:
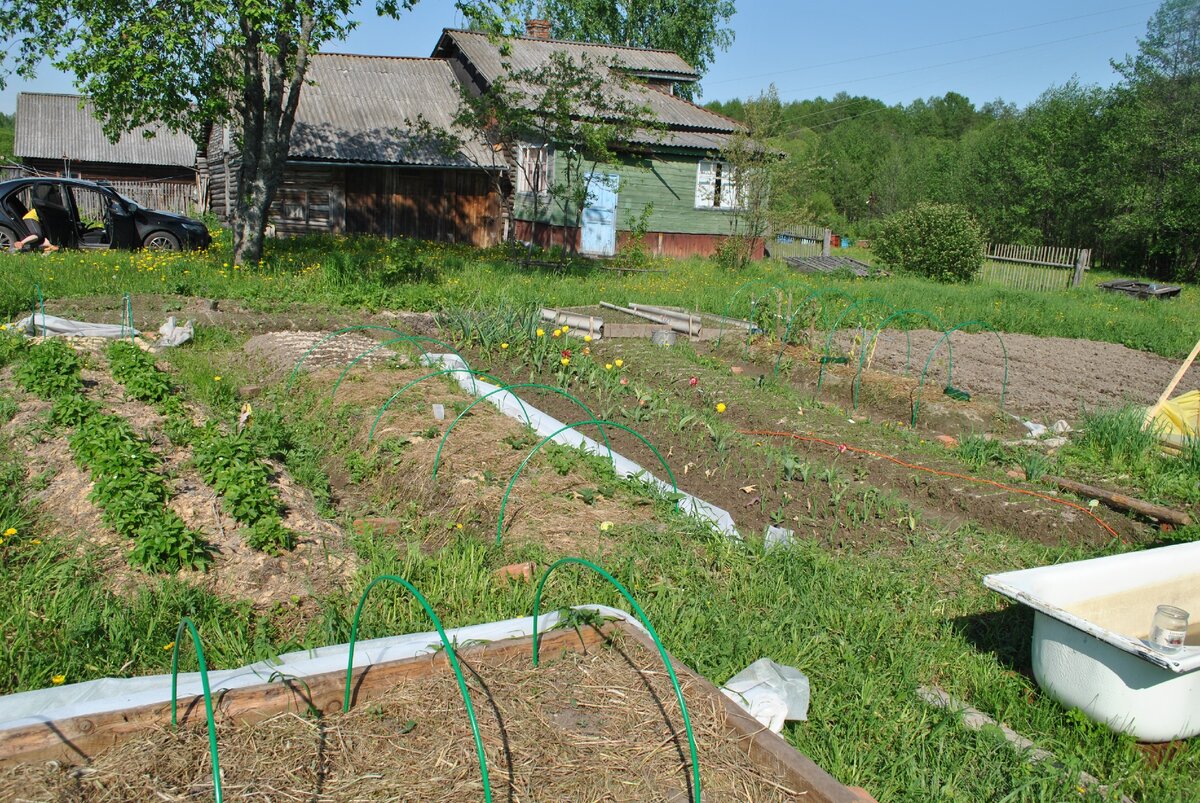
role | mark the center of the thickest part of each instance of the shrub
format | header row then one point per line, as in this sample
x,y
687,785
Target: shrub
x,y
939,241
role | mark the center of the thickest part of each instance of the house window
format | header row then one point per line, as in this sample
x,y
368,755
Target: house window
x,y
715,187
535,163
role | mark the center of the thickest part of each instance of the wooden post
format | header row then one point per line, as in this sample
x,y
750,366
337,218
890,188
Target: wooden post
x,y
826,246
1081,260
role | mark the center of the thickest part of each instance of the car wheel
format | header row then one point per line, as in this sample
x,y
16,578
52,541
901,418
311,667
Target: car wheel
x,y
161,241
7,239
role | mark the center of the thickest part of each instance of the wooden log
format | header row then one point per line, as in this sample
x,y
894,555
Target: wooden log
x,y
1121,501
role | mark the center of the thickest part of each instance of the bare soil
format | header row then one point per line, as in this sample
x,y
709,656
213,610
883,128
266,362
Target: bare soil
x,y
319,563
599,726
1048,377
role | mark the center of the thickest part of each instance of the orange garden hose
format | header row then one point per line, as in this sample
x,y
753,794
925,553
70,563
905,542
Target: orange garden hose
x,y
845,447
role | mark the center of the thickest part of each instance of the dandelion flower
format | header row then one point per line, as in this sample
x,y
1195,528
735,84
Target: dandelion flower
x,y
168,647
605,526
557,333
10,531
458,526
541,332
587,338
503,345
58,680
565,361
217,378
608,366
721,407
618,362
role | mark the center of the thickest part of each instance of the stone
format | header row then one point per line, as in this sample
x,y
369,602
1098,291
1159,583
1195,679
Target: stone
x,y
523,572
1015,473
948,441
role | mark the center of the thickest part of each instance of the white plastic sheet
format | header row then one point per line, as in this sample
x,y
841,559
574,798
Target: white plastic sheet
x,y
546,425
772,693
50,325
114,694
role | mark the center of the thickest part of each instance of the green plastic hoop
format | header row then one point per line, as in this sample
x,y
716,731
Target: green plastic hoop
x,y
208,708
404,338
444,372
662,652
862,357
450,657
837,325
950,367
437,458
345,330
599,423
819,295
752,283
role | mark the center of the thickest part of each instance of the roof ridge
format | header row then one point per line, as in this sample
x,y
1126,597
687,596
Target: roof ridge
x,y
378,56
574,42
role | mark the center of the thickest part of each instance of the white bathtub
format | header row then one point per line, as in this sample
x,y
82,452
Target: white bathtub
x,y
1090,624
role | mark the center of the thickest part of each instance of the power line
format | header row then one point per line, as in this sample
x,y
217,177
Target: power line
x,y
934,44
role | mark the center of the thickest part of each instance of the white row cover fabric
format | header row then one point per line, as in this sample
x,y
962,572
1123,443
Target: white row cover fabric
x,y
115,694
771,693
546,425
50,325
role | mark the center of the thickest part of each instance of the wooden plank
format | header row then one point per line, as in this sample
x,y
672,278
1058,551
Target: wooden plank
x,y
764,747
1121,501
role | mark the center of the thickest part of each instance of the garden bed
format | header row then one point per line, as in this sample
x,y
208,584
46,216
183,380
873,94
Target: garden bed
x,y
598,720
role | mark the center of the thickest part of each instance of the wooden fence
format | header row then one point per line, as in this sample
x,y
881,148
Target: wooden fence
x,y
1032,267
800,241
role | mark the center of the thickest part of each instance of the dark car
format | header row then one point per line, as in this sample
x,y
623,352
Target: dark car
x,y
84,214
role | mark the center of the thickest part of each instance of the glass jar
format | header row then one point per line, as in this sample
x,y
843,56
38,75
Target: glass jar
x,y
1169,628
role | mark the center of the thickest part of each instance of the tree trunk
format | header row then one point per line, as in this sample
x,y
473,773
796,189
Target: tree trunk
x,y
268,106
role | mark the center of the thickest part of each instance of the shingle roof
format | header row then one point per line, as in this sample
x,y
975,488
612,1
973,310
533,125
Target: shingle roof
x,y
525,53
54,126
363,109
484,54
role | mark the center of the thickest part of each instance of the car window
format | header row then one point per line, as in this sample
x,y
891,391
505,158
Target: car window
x,y
91,205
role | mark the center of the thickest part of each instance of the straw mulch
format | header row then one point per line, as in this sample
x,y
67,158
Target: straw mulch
x,y
601,726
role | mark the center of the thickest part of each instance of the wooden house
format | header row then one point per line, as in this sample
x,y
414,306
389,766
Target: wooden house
x,y
359,162
677,172
59,135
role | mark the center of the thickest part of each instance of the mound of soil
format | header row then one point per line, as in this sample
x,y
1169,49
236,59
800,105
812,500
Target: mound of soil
x,y
594,726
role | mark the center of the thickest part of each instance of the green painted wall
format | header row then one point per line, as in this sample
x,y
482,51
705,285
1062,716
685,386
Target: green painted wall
x,y
667,181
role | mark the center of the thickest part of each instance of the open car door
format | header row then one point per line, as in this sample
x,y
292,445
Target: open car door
x,y
103,219
55,216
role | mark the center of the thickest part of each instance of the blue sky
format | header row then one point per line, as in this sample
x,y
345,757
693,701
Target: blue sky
x,y
895,50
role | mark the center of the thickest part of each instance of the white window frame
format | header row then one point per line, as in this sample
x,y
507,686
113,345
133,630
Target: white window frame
x,y
537,177
712,174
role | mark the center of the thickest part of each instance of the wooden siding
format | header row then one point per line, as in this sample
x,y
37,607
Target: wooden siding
x,y
659,243
103,171
310,201
430,204
667,181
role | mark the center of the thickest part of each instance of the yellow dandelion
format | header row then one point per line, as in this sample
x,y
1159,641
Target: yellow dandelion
x,y
168,647
721,407
10,531
618,363
587,338
608,366
503,345
557,333
217,378
605,526
565,360
541,332
458,526
58,680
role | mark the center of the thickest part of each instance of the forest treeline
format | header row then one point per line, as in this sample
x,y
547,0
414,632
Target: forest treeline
x,y
1115,169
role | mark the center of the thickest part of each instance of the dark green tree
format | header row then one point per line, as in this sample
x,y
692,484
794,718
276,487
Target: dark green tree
x,y
1155,140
